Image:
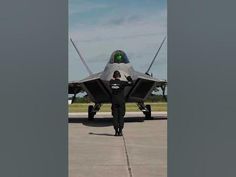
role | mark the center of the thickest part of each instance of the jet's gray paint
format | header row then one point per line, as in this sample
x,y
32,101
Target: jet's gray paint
x,y
101,81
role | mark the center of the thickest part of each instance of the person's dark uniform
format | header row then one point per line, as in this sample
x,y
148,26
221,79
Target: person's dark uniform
x,y
118,101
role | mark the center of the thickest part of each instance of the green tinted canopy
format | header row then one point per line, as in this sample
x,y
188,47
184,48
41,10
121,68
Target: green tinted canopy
x,y
118,57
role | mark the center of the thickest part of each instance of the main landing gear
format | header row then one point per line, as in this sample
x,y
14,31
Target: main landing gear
x,y
92,110
146,109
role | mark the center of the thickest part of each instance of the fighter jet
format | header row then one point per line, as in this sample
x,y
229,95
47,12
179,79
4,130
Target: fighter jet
x,y
97,85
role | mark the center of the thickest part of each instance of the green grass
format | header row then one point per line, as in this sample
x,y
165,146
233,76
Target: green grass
x,y
83,107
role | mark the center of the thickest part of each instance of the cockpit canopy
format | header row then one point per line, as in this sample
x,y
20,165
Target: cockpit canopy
x,y
118,57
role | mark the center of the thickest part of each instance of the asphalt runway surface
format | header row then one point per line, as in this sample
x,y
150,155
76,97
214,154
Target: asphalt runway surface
x,y
95,152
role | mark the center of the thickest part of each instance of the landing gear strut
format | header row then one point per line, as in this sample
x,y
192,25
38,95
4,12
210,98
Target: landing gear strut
x,y
92,110
146,109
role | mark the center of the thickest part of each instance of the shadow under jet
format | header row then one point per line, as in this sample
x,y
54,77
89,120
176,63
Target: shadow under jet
x,y
104,122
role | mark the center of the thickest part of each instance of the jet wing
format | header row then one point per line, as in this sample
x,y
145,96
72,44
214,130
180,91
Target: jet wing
x,y
143,87
94,87
74,87
91,77
158,82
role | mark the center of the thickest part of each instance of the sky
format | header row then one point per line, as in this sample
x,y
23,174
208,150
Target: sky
x,y
99,27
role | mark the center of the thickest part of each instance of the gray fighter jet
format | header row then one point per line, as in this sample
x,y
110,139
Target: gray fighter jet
x,y
97,85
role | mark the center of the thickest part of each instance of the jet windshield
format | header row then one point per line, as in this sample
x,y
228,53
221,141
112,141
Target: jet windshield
x,y
119,57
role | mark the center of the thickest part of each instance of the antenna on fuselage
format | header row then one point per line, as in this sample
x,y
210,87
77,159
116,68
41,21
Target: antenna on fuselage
x,y
147,72
81,57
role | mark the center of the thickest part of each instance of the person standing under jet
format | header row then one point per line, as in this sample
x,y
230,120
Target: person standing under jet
x,y
118,101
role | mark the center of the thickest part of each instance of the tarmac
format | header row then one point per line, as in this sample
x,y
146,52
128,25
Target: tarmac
x,y
95,152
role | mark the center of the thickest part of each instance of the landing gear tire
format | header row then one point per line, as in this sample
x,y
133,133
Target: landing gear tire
x,y
90,113
148,115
